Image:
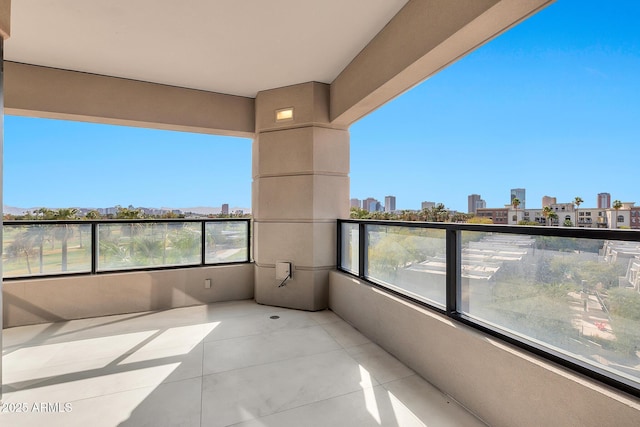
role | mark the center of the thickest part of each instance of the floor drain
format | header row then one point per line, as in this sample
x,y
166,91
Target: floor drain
x,y
274,317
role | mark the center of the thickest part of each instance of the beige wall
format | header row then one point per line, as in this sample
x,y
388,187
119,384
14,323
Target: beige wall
x,y
503,385
74,297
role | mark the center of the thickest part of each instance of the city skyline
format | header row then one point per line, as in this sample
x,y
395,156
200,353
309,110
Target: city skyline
x,y
477,197
388,205
549,106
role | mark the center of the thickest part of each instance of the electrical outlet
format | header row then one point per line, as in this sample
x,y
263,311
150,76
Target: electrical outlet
x,y
207,283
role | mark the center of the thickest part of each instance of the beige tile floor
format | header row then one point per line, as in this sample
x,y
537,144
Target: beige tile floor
x,y
213,365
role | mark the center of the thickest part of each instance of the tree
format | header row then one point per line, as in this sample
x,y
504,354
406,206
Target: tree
x,y
461,217
617,204
128,213
546,212
515,203
438,213
37,235
578,201
93,214
65,231
358,213
185,242
44,213
552,217
22,245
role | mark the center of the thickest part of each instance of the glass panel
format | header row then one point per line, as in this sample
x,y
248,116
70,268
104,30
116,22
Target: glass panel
x,y
36,250
142,245
226,241
577,296
410,259
350,247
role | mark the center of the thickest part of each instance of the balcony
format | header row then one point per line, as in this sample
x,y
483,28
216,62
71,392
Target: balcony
x,y
174,351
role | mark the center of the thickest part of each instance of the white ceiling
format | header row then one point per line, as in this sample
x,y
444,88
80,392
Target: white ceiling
x,y
236,47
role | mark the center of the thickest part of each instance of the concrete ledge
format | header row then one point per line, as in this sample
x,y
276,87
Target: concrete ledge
x,y
64,298
502,385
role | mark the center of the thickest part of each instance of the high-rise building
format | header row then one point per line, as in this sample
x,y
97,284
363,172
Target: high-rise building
x,y
428,205
520,194
356,203
370,204
389,203
225,209
474,202
604,200
548,201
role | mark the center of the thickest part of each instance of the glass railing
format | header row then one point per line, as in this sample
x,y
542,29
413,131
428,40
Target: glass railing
x,y
569,294
46,248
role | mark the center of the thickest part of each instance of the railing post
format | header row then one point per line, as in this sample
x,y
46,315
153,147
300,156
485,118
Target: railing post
x,y
362,249
453,271
249,236
94,247
203,242
339,244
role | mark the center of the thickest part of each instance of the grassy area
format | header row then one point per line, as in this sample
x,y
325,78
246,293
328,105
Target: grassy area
x,y
15,264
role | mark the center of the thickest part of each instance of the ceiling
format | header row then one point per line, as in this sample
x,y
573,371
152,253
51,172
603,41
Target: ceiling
x,y
236,47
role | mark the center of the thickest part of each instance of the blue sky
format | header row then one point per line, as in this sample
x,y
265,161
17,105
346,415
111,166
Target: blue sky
x,y
553,106
57,163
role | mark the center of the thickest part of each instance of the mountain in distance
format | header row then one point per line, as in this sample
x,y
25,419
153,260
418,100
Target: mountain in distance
x,y
208,210
11,210
200,210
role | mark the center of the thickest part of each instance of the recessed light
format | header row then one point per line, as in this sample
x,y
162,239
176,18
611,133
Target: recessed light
x,y
284,114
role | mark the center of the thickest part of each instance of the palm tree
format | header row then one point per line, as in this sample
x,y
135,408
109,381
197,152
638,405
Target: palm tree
x,y
358,213
37,235
552,216
147,249
617,204
93,214
438,213
129,213
578,201
185,242
44,213
546,213
515,203
65,231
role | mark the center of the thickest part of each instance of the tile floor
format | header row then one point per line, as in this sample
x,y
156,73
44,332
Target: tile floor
x,y
213,365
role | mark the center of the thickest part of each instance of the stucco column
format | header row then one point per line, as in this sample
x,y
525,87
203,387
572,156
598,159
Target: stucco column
x,y
300,188
5,15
